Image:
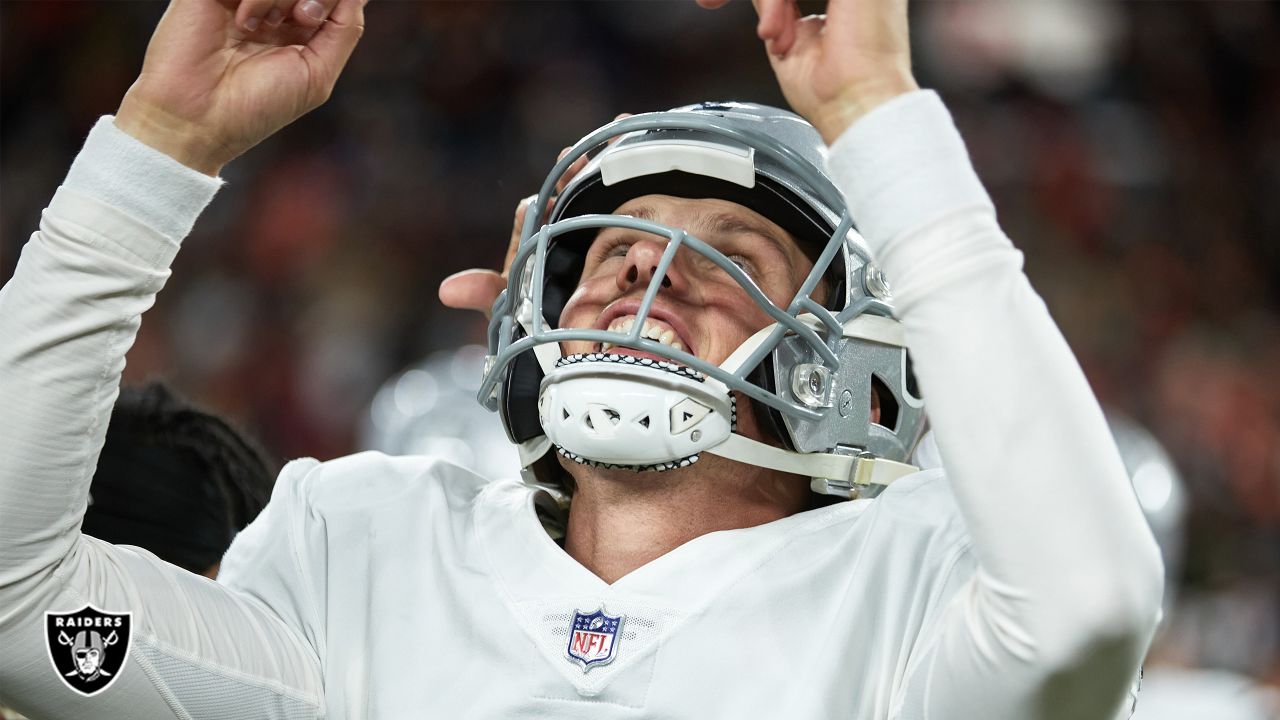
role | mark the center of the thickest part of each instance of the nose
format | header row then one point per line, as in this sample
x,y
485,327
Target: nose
x,y
642,264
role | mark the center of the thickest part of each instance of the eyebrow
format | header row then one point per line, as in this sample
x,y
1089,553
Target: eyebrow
x,y
722,223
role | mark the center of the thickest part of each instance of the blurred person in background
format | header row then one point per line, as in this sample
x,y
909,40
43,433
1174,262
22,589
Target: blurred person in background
x,y
430,409
174,480
1172,688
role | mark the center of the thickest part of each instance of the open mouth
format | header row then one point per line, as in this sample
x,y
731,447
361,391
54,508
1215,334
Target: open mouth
x,y
655,329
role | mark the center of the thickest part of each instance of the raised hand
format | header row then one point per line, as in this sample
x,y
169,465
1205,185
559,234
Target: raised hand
x,y
836,67
220,76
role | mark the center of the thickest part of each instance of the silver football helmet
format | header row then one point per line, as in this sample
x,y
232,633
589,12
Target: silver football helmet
x,y
810,375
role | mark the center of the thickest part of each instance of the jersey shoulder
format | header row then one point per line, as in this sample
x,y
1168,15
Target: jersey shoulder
x,y
375,482
923,502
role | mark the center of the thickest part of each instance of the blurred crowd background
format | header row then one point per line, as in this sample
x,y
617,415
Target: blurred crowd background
x,y
1133,150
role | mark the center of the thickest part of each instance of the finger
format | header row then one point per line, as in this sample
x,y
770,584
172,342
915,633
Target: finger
x,y
274,17
277,13
517,228
473,289
777,24
251,13
333,43
571,171
805,36
310,13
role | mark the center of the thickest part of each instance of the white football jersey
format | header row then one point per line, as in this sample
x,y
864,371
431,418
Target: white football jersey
x,y
440,595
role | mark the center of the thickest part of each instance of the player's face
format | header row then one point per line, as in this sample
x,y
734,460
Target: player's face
x,y
87,661
700,308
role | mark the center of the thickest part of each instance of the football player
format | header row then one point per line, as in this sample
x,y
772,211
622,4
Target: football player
x,y
705,371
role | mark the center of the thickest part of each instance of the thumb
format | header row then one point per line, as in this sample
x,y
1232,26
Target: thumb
x,y
472,290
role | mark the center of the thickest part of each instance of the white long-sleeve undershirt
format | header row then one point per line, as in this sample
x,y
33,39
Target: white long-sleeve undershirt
x,y
1061,541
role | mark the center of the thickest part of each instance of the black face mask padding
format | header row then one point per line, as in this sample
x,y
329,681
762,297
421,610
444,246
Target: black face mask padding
x,y
768,419
519,401
563,270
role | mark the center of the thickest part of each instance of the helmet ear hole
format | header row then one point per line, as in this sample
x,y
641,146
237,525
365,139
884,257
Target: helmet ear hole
x,y
888,403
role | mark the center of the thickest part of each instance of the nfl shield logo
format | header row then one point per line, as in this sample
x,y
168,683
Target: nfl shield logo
x,y
593,638
87,647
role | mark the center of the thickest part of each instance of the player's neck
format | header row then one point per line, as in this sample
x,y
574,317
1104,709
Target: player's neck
x,y
620,520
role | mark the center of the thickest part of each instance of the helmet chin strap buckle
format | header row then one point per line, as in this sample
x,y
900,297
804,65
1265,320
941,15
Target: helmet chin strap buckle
x,y
859,482
870,476
851,474
839,488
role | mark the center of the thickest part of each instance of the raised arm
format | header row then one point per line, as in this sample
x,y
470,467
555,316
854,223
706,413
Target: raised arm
x,y
1059,614
210,88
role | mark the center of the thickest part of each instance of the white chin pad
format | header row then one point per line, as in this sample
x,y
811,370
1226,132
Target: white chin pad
x,y
633,412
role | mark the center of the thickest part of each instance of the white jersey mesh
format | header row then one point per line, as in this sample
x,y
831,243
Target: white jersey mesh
x,y
206,693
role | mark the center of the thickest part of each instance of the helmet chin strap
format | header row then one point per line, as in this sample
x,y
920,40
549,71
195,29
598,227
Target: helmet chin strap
x,y
547,356
532,449
841,475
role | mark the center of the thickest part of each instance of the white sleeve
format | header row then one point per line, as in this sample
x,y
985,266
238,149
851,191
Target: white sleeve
x,y
67,317
1059,613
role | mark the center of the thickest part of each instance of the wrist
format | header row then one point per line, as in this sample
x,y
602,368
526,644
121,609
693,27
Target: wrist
x,y
180,140
839,114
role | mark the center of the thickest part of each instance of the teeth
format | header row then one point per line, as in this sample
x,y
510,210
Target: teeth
x,y
653,330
